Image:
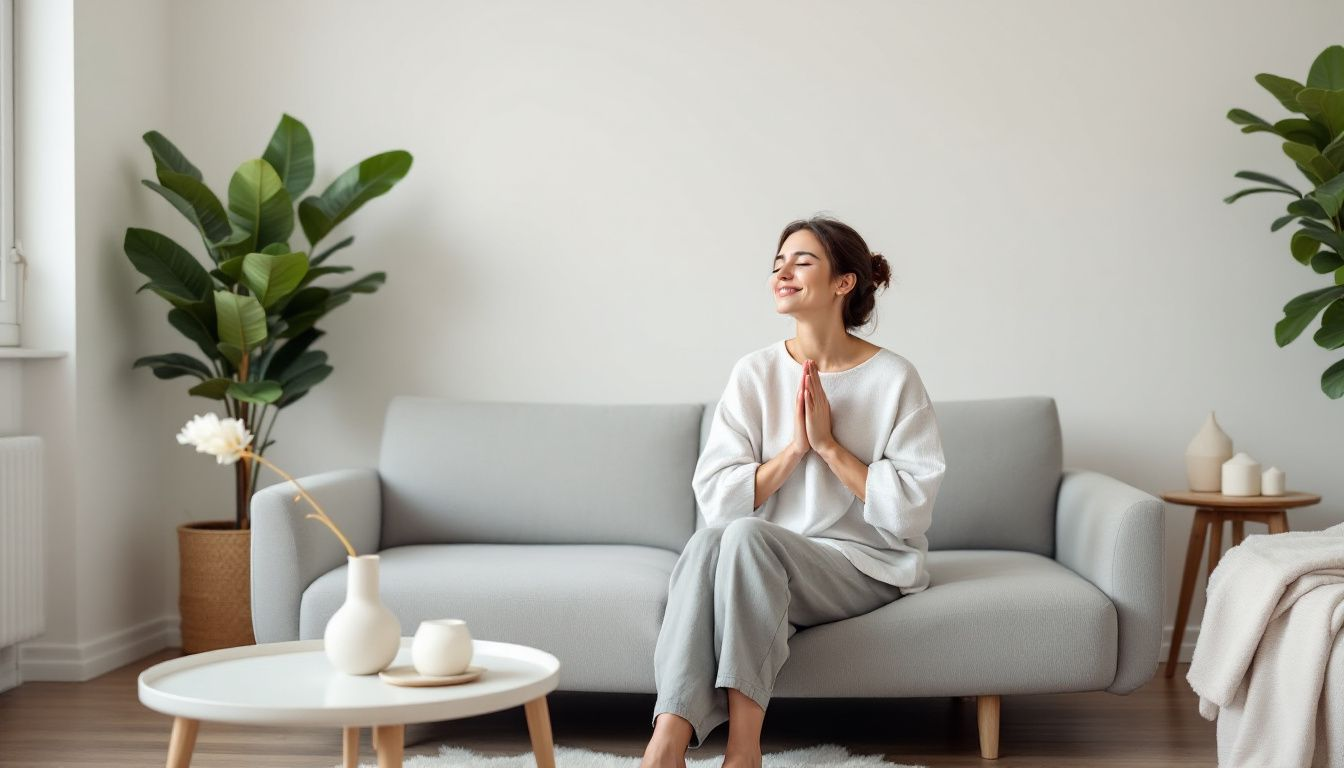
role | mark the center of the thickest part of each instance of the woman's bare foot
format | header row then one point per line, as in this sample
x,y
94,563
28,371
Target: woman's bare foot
x,y
671,738
742,758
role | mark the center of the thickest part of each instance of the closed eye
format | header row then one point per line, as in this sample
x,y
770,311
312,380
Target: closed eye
x,y
776,269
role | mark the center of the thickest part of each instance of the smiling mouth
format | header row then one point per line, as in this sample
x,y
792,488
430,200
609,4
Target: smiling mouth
x,y
787,291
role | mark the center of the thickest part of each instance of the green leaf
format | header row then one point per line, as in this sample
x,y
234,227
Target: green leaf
x,y
1327,71
237,244
1282,222
366,284
242,321
1330,195
173,365
290,153
196,329
233,267
215,389
287,353
1319,169
168,156
299,385
1266,179
232,353
317,272
1282,88
321,257
301,365
195,201
1302,131
276,248
259,392
352,189
1242,117
270,277
1334,151
1339,277
1325,107
1307,207
1253,190
1332,381
1326,261
1324,236
170,268
1301,310
1303,247
1331,333
259,204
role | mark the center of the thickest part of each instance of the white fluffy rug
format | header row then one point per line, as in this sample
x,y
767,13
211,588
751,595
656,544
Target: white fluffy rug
x,y
824,756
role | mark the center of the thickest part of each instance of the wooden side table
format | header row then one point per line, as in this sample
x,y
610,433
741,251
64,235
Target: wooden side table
x,y
1211,511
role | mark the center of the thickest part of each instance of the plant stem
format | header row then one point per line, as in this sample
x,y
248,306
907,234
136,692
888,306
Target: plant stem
x,y
320,516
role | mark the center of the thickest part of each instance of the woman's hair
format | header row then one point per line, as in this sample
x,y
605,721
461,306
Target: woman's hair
x,y
847,252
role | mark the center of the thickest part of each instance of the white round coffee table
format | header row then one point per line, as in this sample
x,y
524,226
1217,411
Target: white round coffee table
x,y
293,683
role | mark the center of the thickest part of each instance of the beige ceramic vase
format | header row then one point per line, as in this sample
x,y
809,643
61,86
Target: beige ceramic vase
x,y
1205,455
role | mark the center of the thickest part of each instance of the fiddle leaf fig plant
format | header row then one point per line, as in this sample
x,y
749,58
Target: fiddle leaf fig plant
x,y
252,305
1313,138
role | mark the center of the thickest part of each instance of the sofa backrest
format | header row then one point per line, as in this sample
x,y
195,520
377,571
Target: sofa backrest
x,y
534,473
559,473
1004,462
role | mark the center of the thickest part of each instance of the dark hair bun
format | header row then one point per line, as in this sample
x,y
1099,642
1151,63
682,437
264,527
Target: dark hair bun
x,y
881,271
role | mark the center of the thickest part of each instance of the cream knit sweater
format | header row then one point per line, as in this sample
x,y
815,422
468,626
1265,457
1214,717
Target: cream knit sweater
x,y
880,412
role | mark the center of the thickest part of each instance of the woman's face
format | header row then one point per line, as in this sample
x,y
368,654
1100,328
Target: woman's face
x,y
801,277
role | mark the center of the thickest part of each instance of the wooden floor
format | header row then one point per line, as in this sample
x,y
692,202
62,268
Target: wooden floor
x,y
102,723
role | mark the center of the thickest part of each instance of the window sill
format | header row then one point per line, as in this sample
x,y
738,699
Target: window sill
x,y
24,353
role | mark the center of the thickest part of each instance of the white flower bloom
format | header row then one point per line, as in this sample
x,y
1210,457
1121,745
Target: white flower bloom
x,y
225,439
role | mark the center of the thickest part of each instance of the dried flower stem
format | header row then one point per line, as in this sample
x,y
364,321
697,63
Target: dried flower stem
x,y
320,516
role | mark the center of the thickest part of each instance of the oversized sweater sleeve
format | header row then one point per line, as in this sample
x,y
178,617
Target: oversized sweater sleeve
x,y
902,485
725,475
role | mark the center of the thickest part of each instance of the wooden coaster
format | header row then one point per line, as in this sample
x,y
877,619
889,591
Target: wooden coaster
x,y
407,676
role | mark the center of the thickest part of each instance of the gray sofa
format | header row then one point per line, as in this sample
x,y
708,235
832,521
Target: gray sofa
x,y
557,526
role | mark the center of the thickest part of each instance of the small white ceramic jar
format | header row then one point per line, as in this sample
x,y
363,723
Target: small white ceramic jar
x,y
1241,476
1272,482
441,647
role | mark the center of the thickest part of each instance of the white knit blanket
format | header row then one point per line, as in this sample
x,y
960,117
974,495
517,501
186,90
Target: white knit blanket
x,y
1263,664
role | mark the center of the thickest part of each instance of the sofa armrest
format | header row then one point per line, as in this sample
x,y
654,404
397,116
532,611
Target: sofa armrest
x,y
290,551
1112,534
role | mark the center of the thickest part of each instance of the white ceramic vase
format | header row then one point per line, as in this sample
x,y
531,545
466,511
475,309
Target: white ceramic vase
x,y
363,636
1205,455
1271,482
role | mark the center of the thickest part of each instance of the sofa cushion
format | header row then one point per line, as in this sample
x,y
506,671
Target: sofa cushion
x,y
596,607
991,622
538,473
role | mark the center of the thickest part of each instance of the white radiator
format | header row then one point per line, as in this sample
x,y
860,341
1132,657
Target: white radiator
x,y
21,540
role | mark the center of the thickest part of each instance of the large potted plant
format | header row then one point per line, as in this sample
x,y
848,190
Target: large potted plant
x,y
251,309
1314,140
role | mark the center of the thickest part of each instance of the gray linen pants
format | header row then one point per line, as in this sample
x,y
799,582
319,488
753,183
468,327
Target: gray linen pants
x,y
736,596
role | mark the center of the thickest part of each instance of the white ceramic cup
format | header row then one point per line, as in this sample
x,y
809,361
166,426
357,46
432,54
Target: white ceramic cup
x,y
441,647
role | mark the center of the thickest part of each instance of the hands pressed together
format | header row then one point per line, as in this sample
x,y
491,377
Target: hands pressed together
x,y
812,420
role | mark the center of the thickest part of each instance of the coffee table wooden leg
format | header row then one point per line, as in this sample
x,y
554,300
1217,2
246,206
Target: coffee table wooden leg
x,y
539,728
1278,521
182,742
389,740
1193,553
350,748
1215,541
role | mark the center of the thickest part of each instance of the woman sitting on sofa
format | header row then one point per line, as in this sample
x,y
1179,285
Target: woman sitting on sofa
x,y
817,484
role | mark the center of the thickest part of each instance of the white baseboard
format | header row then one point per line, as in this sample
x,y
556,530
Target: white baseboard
x,y
9,668
1187,644
77,662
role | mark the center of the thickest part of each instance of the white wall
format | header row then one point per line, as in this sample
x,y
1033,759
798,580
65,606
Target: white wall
x,y
91,77
598,187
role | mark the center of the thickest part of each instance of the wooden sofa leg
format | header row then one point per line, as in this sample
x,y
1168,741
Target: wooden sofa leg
x,y
987,713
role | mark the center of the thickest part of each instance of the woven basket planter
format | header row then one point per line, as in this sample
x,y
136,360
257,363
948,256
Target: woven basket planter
x,y
215,595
